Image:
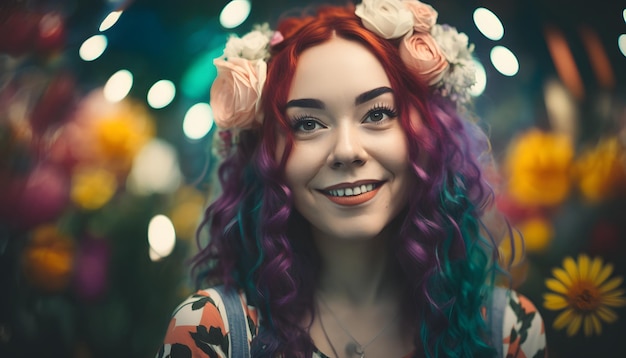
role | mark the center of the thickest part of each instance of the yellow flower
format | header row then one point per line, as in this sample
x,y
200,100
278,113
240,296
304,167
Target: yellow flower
x,y
585,293
120,136
186,212
537,232
538,166
601,170
92,187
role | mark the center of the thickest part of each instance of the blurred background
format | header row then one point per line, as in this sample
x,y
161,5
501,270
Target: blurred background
x,y
105,141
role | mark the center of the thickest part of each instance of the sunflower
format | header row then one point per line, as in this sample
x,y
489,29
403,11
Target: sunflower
x,y
585,293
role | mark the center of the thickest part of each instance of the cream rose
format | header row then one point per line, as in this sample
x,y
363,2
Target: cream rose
x,y
389,19
455,45
423,57
424,16
252,46
236,91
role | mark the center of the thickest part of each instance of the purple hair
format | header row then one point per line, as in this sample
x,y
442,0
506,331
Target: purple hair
x,y
260,243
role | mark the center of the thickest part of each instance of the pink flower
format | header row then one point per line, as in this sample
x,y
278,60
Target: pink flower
x,y
424,16
236,91
277,37
423,57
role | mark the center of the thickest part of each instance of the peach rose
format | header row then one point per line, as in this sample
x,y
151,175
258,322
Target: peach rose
x,y
423,57
236,91
424,16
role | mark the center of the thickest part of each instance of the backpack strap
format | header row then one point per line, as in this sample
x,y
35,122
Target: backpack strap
x,y
498,304
239,346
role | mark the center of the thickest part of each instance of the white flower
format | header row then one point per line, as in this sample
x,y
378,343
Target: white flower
x,y
252,46
458,80
453,44
389,19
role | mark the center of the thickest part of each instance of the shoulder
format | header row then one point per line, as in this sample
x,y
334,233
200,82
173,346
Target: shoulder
x,y
199,326
523,329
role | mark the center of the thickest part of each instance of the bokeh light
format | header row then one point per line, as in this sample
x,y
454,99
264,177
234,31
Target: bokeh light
x,y
118,86
155,169
488,24
93,47
161,237
110,20
481,80
161,94
504,60
235,13
621,43
198,121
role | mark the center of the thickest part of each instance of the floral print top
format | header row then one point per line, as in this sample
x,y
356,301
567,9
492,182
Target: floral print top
x,y
199,328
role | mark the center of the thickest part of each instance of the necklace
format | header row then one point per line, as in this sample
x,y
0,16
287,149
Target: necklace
x,y
354,347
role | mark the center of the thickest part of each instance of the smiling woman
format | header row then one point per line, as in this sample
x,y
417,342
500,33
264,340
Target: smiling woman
x,y
349,222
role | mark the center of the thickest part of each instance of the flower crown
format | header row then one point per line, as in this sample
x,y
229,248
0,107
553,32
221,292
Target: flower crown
x,y
436,54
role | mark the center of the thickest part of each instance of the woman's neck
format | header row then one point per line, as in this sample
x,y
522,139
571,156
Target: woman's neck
x,y
360,272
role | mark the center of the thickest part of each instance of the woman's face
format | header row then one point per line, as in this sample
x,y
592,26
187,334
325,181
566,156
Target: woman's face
x,y
348,169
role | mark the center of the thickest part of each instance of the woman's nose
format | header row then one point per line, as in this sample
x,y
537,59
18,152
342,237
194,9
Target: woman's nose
x,y
348,150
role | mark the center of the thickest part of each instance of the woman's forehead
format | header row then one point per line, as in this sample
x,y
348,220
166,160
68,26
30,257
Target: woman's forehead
x,y
336,67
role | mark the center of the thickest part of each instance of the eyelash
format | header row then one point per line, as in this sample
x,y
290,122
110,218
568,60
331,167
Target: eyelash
x,y
384,108
298,120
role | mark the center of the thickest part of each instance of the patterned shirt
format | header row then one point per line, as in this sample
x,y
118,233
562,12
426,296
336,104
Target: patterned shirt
x,y
199,328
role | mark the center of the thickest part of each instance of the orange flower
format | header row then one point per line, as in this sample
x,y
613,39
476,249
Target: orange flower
x,y
538,166
48,259
601,171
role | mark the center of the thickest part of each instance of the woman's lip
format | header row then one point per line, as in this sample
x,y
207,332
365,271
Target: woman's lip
x,y
352,185
353,200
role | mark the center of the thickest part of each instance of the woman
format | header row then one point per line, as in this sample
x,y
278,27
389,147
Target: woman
x,y
349,217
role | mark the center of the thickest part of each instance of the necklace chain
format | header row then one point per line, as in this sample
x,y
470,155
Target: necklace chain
x,y
355,346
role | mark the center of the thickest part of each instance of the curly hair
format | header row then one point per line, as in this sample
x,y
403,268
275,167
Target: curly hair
x,y
446,261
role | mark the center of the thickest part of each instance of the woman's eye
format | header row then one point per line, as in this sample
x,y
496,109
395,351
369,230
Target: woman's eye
x,y
379,115
307,125
376,116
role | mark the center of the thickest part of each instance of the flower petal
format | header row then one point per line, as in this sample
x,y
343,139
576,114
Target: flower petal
x,y
611,284
604,274
614,301
562,276
587,326
554,302
614,293
583,266
597,326
570,267
607,314
594,269
563,319
556,286
574,325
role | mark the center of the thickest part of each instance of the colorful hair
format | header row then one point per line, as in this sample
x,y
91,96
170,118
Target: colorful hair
x,y
445,261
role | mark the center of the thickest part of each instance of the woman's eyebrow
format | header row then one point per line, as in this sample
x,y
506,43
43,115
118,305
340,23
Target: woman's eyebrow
x,y
306,103
317,104
369,95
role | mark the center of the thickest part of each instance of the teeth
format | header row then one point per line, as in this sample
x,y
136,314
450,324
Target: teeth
x,y
352,191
